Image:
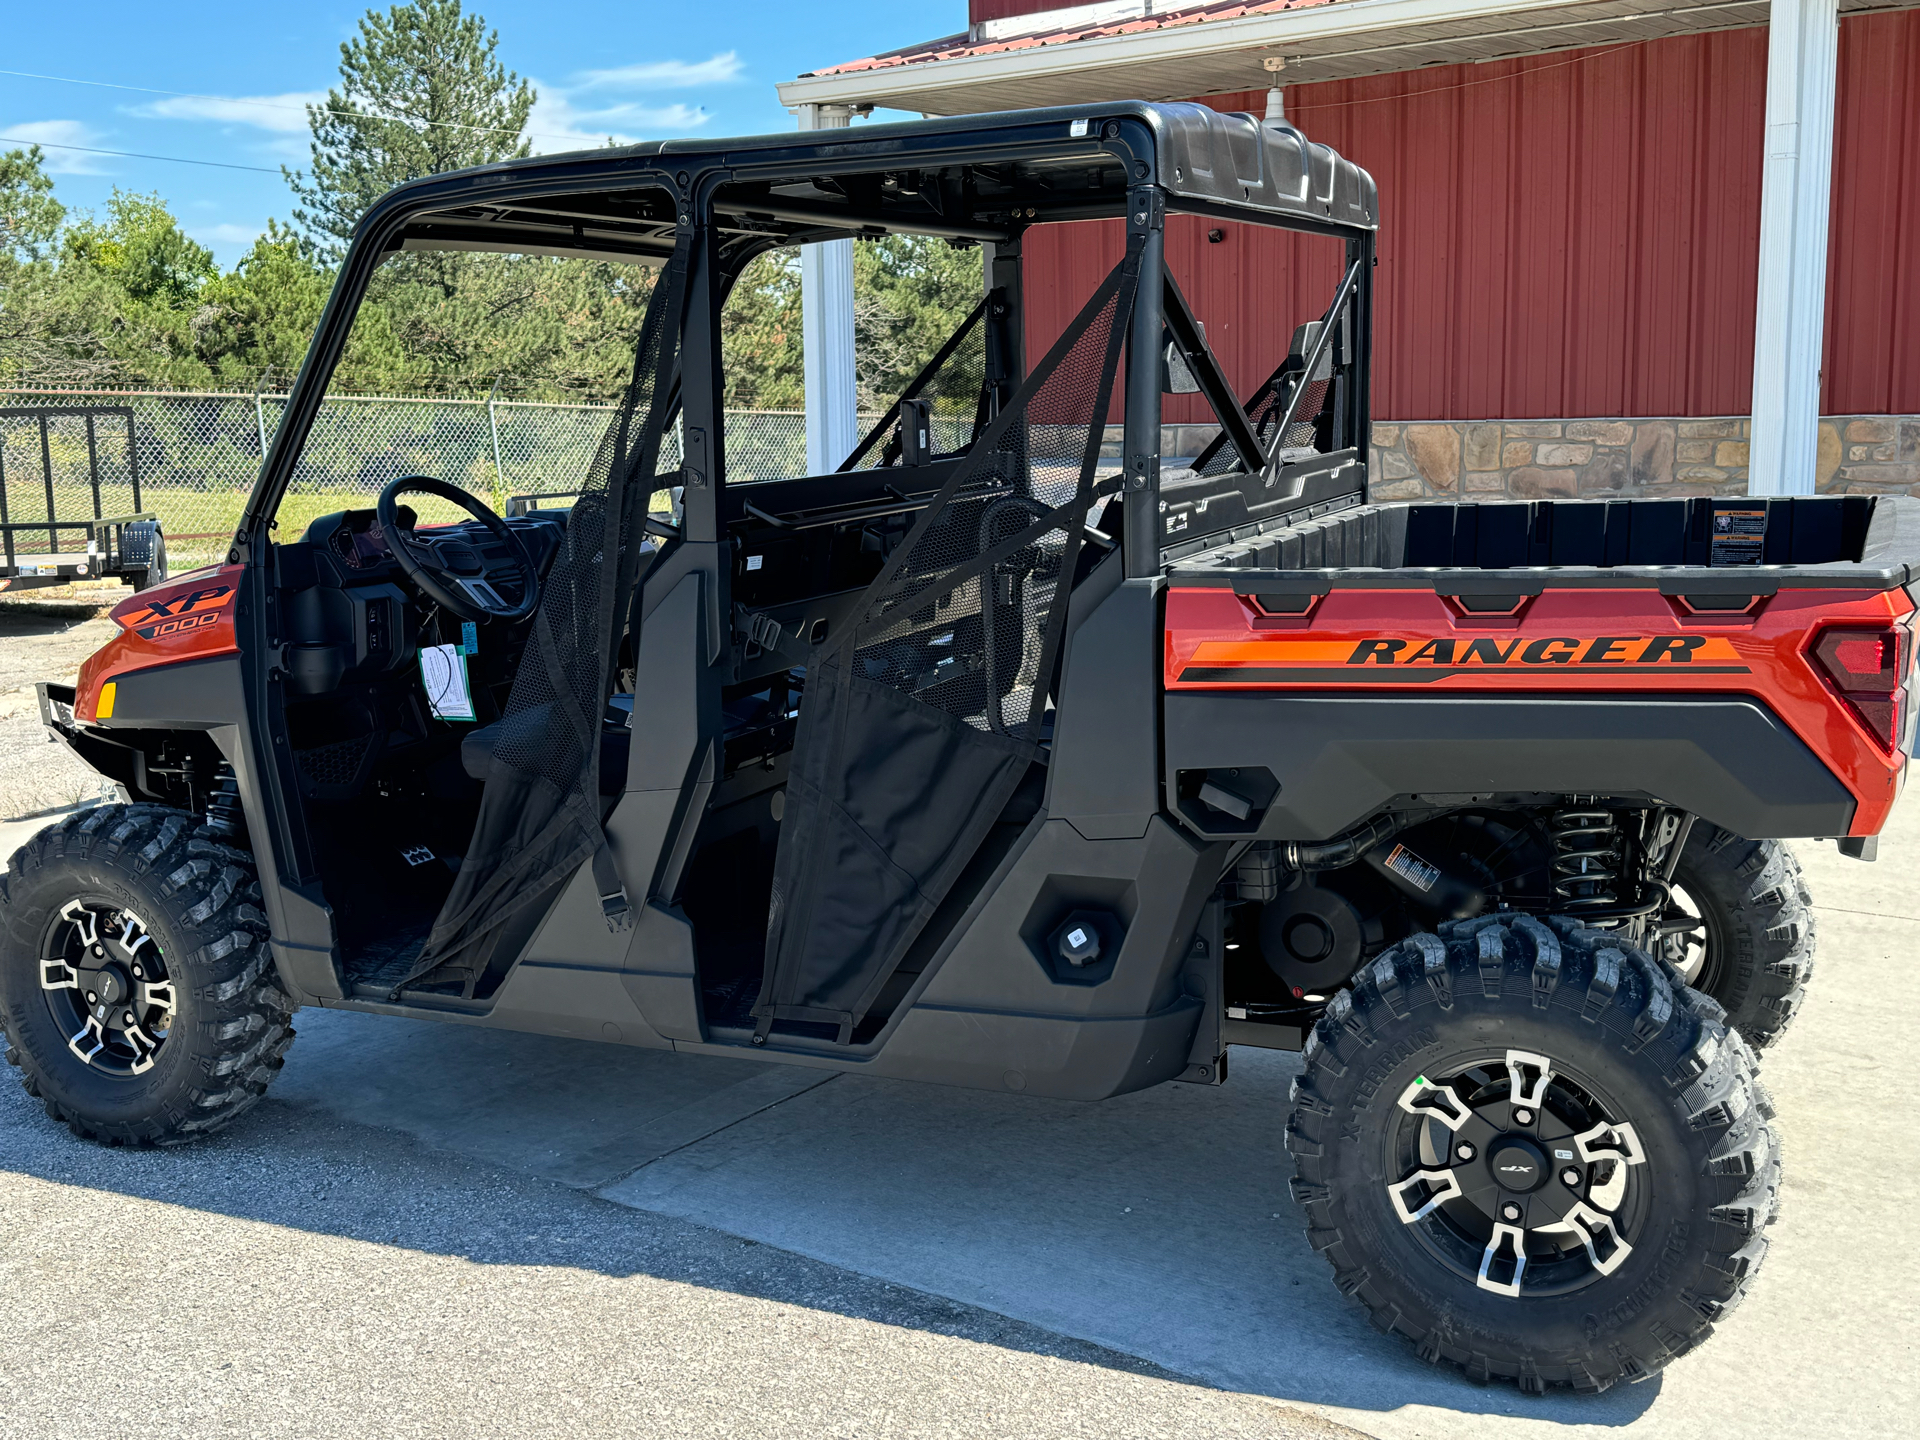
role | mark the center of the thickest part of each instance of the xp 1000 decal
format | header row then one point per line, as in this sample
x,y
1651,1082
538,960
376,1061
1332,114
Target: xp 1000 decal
x,y
173,612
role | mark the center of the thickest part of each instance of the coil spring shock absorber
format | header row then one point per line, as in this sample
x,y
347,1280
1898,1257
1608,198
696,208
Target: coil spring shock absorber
x,y
224,815
1587,860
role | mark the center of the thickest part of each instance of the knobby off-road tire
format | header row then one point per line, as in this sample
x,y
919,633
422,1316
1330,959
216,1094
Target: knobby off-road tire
x,y
199,980
1760,928
1649,1100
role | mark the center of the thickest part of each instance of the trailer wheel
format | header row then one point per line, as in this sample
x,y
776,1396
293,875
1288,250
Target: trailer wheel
x,y
138,995
143,554
1754,951
1521,1150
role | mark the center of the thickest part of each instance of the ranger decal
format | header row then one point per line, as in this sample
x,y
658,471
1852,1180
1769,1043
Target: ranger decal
x,y
1403,659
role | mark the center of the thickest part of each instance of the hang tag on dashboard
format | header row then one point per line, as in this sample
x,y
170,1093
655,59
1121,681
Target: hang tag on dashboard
x,y
443,675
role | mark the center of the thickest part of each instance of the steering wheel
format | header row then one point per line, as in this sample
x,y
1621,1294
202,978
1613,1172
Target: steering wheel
x,y
450,570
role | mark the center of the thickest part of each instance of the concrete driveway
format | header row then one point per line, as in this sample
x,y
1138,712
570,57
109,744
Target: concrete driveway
x,y
1133,1267
40,642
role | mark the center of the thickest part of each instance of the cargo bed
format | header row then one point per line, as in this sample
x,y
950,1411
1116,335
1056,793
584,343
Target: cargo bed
x,y
1564,647
1726,546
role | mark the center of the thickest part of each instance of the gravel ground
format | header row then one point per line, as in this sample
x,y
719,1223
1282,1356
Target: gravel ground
x,y
298,1276
37,773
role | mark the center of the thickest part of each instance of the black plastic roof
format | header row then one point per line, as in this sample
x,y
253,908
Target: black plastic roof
x,y
976,176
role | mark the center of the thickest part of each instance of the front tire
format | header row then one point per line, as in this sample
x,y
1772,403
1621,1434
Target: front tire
x,y
1523,1151
138,994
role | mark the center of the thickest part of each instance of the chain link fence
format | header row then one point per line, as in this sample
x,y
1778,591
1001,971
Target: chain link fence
x,y
191,458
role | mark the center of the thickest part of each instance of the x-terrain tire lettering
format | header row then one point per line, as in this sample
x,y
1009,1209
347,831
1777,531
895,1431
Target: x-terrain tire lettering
x,y
1527,1151
138,994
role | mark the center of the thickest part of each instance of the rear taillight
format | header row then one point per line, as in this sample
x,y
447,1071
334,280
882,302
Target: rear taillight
x,y
1870,670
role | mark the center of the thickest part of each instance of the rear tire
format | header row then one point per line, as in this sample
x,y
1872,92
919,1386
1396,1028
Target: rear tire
x,y
1760,929
1649,1141
171,916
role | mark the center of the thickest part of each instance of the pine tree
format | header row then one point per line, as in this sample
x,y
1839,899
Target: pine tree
x,y
30,224
420,92
260,316
30,217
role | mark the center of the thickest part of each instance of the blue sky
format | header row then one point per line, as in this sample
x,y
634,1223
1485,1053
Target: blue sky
x,y
644,70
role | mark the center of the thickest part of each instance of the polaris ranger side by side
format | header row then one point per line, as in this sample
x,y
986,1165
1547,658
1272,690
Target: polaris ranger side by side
x,y
1010,754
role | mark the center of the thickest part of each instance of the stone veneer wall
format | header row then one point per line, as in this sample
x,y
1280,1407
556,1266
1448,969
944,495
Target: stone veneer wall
x,y
1530,459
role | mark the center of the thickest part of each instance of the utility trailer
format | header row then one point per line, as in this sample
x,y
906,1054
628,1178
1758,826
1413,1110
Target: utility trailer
x,y
129,548
1008,756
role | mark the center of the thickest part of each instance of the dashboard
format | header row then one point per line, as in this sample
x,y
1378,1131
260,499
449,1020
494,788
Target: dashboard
x,y
347,612
355,541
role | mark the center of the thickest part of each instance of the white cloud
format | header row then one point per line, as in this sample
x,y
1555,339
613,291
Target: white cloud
x,y
663,74
52,133
561,121
226,234
281,113
558,124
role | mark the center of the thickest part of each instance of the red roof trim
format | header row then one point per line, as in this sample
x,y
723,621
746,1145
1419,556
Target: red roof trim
x,y
955,47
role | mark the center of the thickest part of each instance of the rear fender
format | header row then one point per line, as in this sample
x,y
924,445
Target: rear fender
x,y
1599,650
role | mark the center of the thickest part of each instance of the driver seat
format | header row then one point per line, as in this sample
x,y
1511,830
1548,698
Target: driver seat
x,y
477,747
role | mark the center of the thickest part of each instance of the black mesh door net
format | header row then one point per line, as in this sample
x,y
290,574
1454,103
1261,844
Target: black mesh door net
x,y
922,717
540,813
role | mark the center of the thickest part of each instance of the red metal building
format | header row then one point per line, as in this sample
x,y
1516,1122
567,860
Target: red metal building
x,y
1576,234
1567,235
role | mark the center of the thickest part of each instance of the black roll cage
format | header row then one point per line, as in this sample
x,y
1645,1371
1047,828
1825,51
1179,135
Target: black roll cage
x,y
995,176
629,203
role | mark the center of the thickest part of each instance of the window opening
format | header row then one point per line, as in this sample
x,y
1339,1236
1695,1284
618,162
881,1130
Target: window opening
x,y
1293,412
920,333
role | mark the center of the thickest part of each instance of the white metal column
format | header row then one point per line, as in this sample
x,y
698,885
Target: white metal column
x,y
1792,291
827,329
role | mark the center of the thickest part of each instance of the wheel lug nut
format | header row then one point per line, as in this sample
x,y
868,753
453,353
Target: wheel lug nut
x,y
1464,1151
1524,1117
127,1017
92,998
1510,1212
1571,1177
138,973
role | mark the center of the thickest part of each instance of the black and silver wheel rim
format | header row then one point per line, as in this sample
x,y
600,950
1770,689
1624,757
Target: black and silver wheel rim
x,y
1518,1176
1687,940
107,986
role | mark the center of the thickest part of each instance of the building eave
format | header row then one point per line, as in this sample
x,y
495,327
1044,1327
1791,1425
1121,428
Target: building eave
x,y
1335,41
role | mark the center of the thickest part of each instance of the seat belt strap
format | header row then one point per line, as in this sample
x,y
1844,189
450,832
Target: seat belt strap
x,y
614,905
